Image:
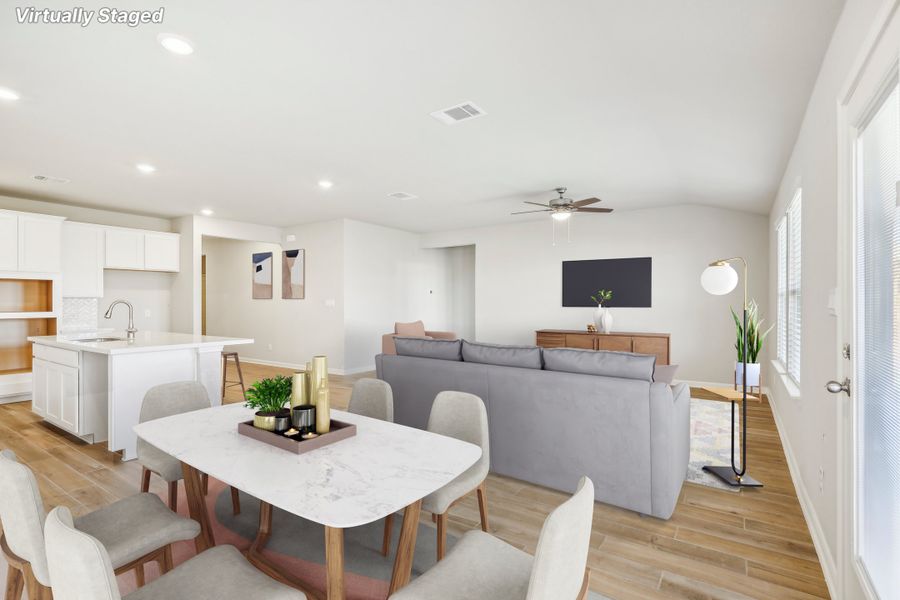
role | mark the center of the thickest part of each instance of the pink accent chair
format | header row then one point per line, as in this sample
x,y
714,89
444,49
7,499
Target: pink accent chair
x,y
416,329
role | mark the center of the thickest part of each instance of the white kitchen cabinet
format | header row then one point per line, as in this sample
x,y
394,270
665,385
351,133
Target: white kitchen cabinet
x,y
124,249
162,251
9,241
40,243
83,260
56,393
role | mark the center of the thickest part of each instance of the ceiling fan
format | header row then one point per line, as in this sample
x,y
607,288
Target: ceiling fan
x,y
562,208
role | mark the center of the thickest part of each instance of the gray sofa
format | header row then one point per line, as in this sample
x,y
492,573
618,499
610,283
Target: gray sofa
x,y
557,414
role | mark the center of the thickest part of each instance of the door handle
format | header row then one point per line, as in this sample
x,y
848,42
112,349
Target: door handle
x,y
836,388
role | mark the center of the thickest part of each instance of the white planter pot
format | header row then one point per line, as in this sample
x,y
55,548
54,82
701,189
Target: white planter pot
x,y
752,374
603,319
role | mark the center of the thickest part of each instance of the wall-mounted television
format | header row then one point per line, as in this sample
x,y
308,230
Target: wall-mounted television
x,y
629,279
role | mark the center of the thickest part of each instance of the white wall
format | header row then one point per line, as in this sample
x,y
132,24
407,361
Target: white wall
x,y
287,332
809,422
147,291
519,277
461,283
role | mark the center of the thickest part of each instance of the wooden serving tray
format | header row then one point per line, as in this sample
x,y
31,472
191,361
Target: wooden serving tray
x,y
339,431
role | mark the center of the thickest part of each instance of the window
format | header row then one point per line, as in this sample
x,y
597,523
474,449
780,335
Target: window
x,y
788,286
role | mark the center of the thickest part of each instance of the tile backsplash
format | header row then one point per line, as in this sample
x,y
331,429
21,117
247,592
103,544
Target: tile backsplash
x,y
78,314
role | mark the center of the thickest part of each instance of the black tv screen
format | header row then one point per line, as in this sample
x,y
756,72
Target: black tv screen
x,y
628,278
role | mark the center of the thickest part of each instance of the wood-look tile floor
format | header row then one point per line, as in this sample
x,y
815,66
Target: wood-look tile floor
x,y
718,544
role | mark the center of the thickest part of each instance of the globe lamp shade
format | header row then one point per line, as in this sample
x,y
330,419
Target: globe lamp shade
x,y
719,279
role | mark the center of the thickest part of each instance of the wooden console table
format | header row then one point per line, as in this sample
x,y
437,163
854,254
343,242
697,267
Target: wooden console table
x,y
642,343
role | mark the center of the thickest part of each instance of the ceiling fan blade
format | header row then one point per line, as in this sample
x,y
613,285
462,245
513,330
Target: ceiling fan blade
x,y
525,212
537,204
587,201
594,210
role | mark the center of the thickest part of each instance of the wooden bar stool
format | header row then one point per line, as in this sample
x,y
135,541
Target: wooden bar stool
x,y
226,383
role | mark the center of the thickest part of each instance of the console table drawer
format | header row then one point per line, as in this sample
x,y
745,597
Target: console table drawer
x,y
615,343
584,342
653,345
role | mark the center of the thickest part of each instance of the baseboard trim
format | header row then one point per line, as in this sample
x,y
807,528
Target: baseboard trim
x,y
301,367
826,558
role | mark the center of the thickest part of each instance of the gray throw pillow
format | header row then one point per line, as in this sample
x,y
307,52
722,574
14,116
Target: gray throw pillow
x,y
609,364
526,357
665,373
428,348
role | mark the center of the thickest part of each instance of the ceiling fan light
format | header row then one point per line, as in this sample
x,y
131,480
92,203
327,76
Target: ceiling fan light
x,y
561,215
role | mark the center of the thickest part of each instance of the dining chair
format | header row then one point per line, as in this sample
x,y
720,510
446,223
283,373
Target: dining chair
x,y
462,416
374,398
136,530
164,401
482,566
80,569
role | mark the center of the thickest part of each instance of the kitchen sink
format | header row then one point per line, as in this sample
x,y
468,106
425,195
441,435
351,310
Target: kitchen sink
x,y
100,339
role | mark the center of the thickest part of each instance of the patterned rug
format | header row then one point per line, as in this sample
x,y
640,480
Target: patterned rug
x,y
711,441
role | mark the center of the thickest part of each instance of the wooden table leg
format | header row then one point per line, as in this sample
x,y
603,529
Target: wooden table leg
x,y
334,562
265,528
197,507
406,548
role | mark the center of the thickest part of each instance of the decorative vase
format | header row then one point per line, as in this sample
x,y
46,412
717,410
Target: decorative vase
x,y
318,377
598,316
752,374
300,389
603,319
323,410
263,420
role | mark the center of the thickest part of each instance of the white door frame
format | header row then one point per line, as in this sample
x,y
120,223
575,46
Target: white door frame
x,y
873,69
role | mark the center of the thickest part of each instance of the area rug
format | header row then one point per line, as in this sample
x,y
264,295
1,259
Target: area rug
x,y
298,546
711,441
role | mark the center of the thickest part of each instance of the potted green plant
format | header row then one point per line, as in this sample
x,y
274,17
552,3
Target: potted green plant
x,y
268,396
602,317
755,339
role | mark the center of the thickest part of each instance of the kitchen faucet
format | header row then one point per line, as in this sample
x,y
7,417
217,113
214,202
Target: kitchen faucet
x,y
131,328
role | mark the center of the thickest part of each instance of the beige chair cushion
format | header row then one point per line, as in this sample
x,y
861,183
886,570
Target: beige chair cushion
x,y
79,565
478,566
416,329
22,514
135,526
372,398
220,573
164,401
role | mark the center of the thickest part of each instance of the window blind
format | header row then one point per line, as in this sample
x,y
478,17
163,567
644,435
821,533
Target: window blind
x,y
781,314
877,385
794,288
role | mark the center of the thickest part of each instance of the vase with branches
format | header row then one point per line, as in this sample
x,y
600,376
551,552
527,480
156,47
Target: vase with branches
x,y
755,338
602,317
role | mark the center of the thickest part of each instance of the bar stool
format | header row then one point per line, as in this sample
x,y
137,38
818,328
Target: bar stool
x,y
226,383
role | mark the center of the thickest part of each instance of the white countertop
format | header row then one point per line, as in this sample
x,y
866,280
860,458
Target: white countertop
x,y
382,469
144,341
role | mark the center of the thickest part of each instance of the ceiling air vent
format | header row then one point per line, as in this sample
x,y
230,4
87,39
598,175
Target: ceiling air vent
x,y
456,114
401,196
48,179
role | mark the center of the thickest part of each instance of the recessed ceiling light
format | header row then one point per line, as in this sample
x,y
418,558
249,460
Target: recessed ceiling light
x,y
325,184
206,212
145,168
175,44
8,94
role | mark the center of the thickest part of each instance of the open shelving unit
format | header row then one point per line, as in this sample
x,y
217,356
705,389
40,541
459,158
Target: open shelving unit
x,y
26,309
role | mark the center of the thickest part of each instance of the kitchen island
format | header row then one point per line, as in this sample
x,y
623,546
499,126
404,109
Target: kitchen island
x,y
92,385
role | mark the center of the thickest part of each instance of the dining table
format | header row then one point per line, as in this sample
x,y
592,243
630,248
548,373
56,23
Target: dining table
x,y
382,469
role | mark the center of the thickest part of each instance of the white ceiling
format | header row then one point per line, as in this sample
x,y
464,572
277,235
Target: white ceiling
x,y
640,102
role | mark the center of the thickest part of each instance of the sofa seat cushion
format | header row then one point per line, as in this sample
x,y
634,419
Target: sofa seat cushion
x,y
526,357
624,365
429,348
416,329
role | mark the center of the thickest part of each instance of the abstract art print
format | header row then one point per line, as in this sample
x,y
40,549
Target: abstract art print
x,y
262,275
293,275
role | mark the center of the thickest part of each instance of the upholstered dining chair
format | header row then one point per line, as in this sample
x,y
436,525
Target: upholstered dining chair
x,y
164,401
462,416
482,566
374,398
80,569
136,530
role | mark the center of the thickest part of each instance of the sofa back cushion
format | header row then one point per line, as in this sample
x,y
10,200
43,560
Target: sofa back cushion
x,y
416,329
428,348
609,364
526,357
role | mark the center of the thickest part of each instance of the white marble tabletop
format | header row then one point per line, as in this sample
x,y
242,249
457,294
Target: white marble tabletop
x,y
382,469
144,341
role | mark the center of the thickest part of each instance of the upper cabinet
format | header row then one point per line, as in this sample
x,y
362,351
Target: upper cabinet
x,y
139,250
82,260
30,242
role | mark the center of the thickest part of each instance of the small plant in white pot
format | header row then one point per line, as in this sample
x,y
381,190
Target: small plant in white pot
x,y
755,339
602,317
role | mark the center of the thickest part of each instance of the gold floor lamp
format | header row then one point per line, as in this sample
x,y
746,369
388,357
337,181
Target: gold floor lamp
x,y
720,278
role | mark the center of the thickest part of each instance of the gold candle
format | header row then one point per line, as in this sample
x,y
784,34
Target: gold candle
x,y
323,410
299,389
319,377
